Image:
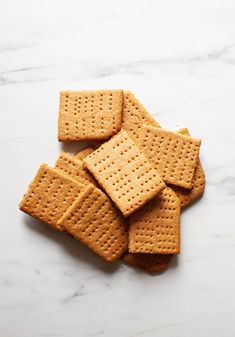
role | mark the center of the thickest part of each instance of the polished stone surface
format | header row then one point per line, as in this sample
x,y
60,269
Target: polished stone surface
x,y
178,57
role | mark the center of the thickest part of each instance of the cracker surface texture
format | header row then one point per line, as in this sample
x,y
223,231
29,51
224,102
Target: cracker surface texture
x,y
135,115
173,155
89,115
150,263
155,228
84,153
49,195
186,196
74,168
125,173
94,220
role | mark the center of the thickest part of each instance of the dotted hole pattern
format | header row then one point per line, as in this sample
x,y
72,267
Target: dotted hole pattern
x,y
49,196
74,168
155,227
95,220
124,172
90,114
174,156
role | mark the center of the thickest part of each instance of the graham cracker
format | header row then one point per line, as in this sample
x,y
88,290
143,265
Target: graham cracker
x,y
74,168
150,263
187,197
84,152
173,155
94,220
155,228
135,115
89,115
125,173
49,195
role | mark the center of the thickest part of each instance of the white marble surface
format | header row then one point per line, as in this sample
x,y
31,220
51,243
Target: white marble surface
x,y
178,57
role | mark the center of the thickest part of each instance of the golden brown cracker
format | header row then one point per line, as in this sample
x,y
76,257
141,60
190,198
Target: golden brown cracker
x,y
84,152
74,168
189,196
49,195
125,173
134,115
150,263
94,220
173,155
155,228
89,115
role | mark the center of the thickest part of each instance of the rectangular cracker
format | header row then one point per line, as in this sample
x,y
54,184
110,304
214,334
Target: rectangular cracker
x,y
135,115
155,228
49,195
186,196
150,263
94,220
74,168
89,115
173,155
125,173
84,153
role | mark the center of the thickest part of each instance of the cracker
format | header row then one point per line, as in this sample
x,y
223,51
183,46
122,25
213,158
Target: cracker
x,y
134,115
151,263
173,155
74,168
49,195
155,228
187,197
89,115
84,152
125,173
94,220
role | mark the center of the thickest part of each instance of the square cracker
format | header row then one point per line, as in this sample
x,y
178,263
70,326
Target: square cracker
x,y
186,196
94,220
173,155
155,228
74,168
125,173
89,115
150,263
135,115
49,195
84,153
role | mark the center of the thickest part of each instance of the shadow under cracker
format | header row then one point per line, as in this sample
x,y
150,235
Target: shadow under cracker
x,y
71,246
174,262
74,147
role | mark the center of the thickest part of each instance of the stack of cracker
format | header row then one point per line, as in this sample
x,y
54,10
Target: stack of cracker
x,y
121,196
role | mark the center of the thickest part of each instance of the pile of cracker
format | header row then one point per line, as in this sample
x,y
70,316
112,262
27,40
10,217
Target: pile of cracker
x,y
121,196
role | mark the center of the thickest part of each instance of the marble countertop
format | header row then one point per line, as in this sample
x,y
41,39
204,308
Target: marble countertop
x,y
178,57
